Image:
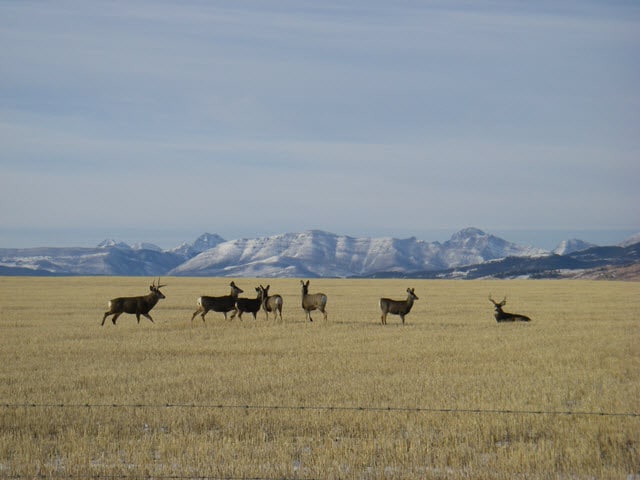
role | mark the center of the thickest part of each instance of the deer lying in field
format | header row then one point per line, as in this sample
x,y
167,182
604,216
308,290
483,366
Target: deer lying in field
x,y
135,305
271,303
313,301
502,316
251,305
397,307
223,304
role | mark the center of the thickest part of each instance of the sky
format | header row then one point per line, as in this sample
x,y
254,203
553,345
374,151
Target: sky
x,y
157,121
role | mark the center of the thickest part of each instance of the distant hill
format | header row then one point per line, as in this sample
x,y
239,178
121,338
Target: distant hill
x,y
573,245
105,260
582,264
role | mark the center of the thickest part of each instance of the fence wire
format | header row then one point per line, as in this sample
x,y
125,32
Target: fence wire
x,y
246,407
329,408
154,477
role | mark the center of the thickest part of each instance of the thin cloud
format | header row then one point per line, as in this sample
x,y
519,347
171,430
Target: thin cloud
x,y
463,113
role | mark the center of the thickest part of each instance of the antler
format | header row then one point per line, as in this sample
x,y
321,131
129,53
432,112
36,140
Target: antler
x,y
159,286
503,302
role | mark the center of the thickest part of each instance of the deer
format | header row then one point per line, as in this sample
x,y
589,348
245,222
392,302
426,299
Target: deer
x,y
223,304
136,305
271,303
251,305
502,316
313,301
397,307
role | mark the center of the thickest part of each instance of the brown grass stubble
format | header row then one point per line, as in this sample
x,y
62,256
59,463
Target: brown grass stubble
x,y
579,354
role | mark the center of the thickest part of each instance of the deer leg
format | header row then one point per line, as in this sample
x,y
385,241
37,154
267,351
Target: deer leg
x,y
195,313
233,315
106,314
402,317
149,317
115,317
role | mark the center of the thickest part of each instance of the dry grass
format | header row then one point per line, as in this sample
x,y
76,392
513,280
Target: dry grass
x,y
580,354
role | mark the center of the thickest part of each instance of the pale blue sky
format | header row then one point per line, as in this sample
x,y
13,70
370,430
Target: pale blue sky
x,y
158,121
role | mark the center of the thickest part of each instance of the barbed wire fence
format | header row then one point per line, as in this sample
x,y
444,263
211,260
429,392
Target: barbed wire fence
x,y
249,407
330,408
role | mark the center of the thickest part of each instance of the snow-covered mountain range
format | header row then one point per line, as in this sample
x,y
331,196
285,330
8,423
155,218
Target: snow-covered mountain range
x,y
316,253
312,253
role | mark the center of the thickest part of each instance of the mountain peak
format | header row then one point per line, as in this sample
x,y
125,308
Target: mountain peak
x,y
111,243
632,240
469,232
317,233
573,245
204,242
207,241
146,246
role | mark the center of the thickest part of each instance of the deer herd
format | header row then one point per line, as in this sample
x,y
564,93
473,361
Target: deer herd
x,y
236,305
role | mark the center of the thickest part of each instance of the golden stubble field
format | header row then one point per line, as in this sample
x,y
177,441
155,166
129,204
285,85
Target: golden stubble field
x,y
451,394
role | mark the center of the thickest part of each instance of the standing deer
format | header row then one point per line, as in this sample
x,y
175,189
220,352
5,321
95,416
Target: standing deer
x,y
138,305
313,301
271,303
397,307
223,304
251,305
502,316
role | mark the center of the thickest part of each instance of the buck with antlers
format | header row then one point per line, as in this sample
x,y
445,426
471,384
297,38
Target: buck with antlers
x,y
313,301
502,316
224,304
397,307
135,305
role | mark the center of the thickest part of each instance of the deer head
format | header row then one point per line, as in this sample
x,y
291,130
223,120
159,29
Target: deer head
x,y
496,304
156,288
235,290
